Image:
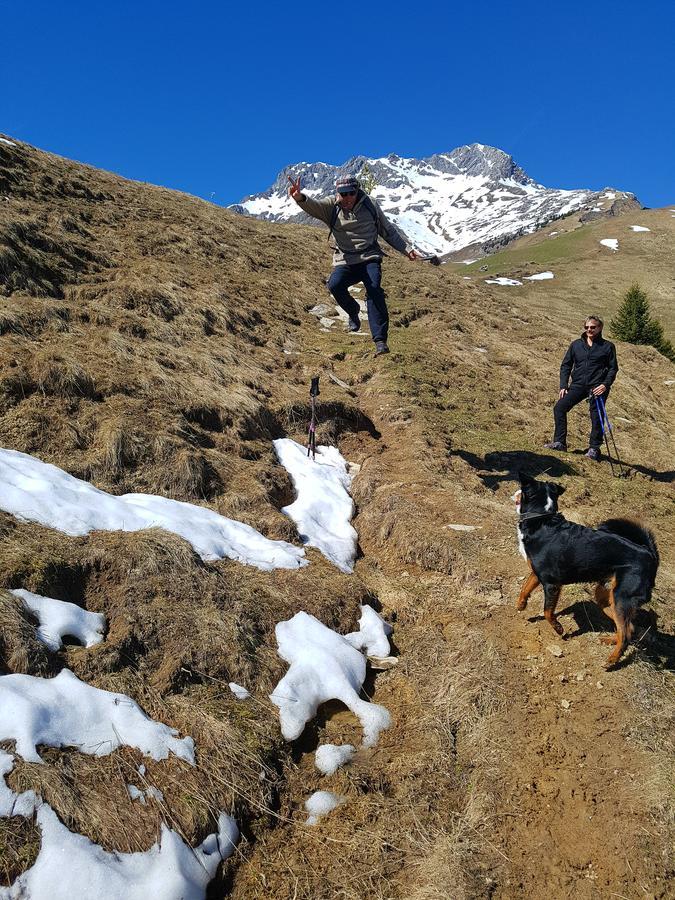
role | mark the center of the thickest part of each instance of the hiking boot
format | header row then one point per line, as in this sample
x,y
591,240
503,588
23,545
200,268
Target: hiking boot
x,y
556,445
354,323
381,347
593,453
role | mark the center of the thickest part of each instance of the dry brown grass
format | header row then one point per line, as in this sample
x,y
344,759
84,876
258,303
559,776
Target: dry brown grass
x,y
153,342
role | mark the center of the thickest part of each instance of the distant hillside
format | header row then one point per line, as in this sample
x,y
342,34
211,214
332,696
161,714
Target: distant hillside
x,y
466,202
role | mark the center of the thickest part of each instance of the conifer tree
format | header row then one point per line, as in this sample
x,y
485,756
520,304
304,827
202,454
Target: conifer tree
x,y
367,179
634,324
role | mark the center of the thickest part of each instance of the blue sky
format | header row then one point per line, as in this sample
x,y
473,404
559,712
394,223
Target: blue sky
x,y
215,100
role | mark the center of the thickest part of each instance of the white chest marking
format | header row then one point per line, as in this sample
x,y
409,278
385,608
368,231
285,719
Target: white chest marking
x,y
521,545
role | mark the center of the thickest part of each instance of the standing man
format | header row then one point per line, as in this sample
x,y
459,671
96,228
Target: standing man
x,y
355,221
591,361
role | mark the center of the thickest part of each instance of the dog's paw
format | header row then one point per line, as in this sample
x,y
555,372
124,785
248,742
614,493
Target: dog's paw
x,y
608,639
557,627
521,605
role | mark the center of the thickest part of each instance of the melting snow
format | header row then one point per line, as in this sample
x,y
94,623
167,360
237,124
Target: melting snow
x,y
329,757
65,712
612,243
639,228
36,491
542,276
320,804
9,143
239,692
323,508
373,634
58,618
504,281
71,866
323,666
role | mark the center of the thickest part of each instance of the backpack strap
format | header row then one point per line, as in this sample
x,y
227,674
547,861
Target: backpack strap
x,y
367,202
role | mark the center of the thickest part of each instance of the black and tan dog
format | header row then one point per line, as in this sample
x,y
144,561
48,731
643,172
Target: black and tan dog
x,y
619,556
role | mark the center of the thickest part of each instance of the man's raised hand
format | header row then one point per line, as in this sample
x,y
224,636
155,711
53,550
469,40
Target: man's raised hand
x,y
294,190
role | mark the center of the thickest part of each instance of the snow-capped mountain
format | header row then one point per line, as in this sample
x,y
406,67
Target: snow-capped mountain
x,y
471,200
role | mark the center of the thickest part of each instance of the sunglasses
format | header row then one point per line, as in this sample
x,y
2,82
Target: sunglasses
x,y
346,193
591,327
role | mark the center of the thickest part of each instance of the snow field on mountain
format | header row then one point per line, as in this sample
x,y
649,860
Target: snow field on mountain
x,y
323,666
470,196
59,619
36,491
324,507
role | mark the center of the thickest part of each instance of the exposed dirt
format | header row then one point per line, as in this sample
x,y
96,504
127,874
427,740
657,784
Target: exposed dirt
x,y
152,342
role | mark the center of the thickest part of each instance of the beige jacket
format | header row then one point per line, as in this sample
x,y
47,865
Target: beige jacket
x,y
355,233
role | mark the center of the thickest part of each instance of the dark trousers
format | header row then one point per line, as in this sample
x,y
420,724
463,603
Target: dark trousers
x,y
343,277
575,394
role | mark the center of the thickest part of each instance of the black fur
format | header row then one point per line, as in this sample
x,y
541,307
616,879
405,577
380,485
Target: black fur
x,y
618,552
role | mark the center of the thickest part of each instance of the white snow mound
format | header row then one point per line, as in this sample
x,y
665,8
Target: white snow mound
x,y
506,282
323,666
639,228
323,508
320,804
66,712
70,866
541,276
329,757
612,243
373,634
58,618
36,491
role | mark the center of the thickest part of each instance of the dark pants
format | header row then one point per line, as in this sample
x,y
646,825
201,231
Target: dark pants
x,y
575,394
343,277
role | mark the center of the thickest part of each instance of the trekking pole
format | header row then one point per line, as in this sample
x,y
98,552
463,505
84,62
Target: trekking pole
x,y
313,394
433,259
608,432
623,471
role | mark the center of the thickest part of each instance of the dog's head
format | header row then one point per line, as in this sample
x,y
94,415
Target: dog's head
x,y
536,496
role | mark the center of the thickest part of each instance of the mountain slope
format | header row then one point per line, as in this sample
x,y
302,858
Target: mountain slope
x,y
153,342
466,201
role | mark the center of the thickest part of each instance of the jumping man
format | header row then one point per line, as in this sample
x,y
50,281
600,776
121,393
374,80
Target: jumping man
x,y
591,361
355,222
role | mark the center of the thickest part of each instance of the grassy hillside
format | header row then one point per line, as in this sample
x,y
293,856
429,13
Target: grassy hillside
x,y
150,341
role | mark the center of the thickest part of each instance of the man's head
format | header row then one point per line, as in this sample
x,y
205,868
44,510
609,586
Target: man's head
x,y
346,189
593,327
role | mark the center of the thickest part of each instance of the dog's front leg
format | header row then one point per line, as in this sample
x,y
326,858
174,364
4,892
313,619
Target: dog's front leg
x,y
551,597
531,582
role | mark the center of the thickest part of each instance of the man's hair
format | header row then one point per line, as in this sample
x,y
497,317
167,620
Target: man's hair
x,y
594,319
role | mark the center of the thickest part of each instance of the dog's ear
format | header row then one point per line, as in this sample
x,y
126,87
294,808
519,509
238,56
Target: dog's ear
x,y
559,489
525,478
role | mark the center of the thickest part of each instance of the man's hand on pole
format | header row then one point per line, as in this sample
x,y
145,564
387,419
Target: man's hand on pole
x,y
412,254
599,390
294,190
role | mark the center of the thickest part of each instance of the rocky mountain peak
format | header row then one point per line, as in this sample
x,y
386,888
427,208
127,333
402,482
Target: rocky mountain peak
x,y
463,200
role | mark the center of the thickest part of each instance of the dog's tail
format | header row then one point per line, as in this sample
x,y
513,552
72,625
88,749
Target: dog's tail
x,y
635,533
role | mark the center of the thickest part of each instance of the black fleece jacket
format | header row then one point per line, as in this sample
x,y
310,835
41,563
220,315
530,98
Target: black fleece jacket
x,y
589,366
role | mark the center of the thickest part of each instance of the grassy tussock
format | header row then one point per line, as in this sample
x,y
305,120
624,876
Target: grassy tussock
x,y
404,531
20,650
